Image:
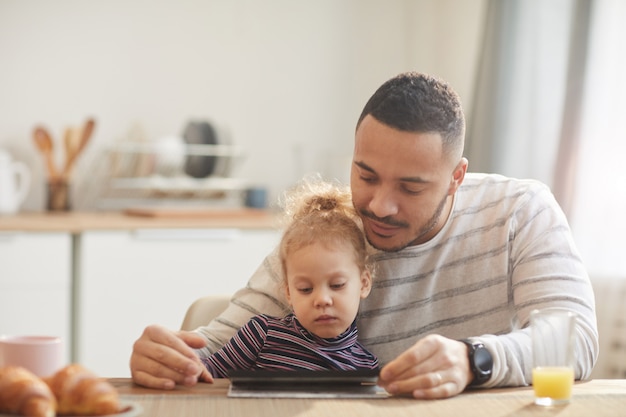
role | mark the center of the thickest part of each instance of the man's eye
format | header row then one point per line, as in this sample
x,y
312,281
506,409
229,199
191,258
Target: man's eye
x,y
412,191
367,179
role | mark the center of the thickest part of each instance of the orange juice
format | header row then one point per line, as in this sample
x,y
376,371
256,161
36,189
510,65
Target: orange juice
x,y
553,383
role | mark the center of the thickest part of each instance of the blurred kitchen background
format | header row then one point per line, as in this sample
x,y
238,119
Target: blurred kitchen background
x,y
196,100
280,84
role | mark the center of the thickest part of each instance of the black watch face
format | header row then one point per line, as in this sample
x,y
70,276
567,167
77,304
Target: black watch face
x,y
483,360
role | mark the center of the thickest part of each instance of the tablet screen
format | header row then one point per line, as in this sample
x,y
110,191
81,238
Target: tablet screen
x,y
358,377
305,384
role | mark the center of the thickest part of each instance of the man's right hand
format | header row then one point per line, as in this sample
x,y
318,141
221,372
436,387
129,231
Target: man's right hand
x,y
162,358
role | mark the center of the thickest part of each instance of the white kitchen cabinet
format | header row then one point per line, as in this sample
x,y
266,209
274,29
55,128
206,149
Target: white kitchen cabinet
x,y
35,284
130,279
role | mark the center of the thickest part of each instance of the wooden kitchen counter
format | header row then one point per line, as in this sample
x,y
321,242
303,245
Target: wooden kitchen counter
x,y
77,222
90,269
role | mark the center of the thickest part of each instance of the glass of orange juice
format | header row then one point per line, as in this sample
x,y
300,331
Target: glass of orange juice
x,y
553,337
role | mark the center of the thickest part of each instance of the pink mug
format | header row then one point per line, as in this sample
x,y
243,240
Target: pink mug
x,y
42,355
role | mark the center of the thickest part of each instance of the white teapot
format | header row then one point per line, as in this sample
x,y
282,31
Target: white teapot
x,y
14,183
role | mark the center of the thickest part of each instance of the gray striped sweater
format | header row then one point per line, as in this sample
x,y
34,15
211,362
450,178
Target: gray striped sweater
x,y
505,250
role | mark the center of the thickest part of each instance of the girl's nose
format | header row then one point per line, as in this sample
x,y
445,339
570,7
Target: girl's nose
x,y
322,298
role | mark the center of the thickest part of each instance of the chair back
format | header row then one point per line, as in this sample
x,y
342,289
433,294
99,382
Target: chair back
x,y
203,310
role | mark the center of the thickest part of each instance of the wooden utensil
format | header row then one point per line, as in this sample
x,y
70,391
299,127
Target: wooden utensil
x,y
71,141
44,144
73,153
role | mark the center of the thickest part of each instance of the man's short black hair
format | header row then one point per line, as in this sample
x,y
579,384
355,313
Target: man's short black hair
x,y
415,102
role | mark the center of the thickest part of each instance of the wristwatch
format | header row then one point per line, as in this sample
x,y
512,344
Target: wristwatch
x,y
481,361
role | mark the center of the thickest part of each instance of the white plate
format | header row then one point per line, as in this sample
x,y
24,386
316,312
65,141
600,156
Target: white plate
x,y
130,409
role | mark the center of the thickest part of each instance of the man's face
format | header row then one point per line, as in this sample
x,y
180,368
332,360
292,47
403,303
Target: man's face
x,y
402,184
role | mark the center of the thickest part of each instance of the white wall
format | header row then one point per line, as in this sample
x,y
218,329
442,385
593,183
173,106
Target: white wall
x,y
283,76
444,40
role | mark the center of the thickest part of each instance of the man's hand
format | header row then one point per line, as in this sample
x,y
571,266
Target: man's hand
x,y
162,358
435,367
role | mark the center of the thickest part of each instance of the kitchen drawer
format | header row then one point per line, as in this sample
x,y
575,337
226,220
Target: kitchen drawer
x,y
130,279
35,284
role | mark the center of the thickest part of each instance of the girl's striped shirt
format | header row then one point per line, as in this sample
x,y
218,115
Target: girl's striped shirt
x,y
271,343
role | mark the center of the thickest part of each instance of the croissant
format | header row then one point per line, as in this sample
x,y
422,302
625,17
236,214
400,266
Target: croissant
x,y
78,391
22,392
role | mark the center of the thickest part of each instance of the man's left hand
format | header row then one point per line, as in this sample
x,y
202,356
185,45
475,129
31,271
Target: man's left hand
x,y
434,367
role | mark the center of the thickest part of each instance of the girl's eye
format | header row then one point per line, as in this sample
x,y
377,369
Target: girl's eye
x,y
305,290
337,286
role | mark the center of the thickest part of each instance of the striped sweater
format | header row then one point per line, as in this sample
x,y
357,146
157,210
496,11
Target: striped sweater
x,y
271,343
505,249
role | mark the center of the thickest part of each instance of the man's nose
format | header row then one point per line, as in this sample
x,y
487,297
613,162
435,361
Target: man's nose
x,y
382,203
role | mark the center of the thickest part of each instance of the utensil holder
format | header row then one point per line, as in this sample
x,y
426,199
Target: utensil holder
x,y
58,195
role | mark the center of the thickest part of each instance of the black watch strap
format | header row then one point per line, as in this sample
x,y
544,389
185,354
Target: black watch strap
x,y
481,361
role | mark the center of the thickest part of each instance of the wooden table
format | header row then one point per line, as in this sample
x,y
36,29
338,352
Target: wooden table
x,y
597,398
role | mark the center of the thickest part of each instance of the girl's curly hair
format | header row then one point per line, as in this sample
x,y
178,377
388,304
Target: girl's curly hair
x,y
319,211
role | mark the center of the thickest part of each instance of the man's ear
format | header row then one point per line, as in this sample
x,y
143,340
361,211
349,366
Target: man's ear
x,y
366,283
457,176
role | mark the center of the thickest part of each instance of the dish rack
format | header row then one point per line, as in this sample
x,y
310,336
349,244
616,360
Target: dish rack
x,y
171,173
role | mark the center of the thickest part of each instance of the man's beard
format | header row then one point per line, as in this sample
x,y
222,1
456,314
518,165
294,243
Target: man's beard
x,y
424,230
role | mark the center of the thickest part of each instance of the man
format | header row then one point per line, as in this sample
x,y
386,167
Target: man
x,y
461,261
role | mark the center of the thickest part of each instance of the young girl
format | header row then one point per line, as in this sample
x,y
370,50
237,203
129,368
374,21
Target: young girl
x,y
324,263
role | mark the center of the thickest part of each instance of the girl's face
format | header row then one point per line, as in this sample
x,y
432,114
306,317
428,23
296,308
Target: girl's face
x,y
325,286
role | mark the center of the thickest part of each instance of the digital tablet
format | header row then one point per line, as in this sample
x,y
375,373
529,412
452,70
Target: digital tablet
x,y
305,384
